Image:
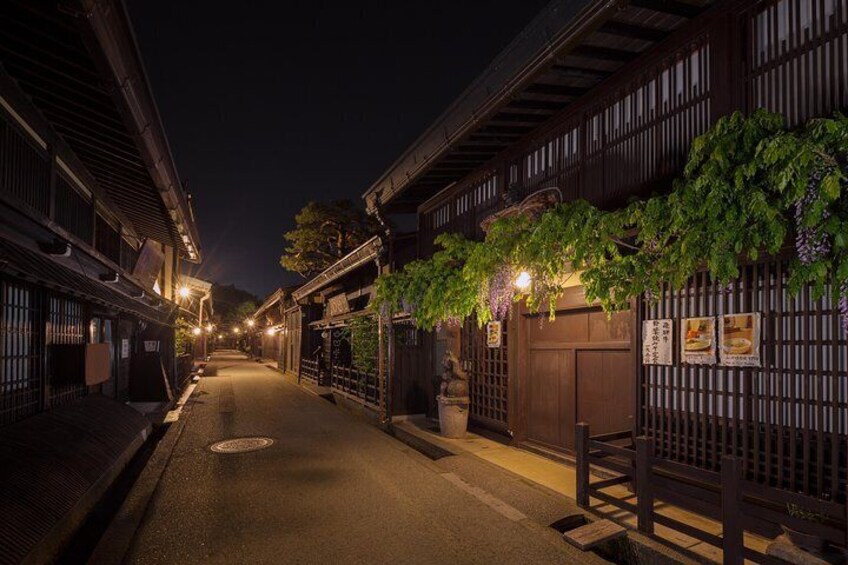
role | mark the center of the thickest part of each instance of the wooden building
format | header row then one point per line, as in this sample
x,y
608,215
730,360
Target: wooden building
x,y
271,332
334,317
93,226
602,100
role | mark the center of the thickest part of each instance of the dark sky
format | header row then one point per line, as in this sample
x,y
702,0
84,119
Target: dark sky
x,y
270,104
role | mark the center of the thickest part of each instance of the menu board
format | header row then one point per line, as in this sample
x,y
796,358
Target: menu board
x,y
493,334
740,340
657,342
698,341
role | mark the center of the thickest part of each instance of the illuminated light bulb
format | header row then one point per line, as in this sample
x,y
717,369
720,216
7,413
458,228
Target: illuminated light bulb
x,y
270,331
185,292
236,330
196,331
209,327
251,323
220,336
523,280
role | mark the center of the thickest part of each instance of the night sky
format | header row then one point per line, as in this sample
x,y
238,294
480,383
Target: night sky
x,y
270,104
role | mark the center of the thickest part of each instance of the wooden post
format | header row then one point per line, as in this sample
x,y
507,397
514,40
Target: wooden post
x,y
644,488
582,448
381,368
732,534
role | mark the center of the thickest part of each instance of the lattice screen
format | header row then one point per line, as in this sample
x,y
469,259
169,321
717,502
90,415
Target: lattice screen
x,y
488,375
20,352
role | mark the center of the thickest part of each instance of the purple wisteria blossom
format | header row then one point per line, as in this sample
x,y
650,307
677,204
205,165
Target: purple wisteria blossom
x,y
500,293
811,242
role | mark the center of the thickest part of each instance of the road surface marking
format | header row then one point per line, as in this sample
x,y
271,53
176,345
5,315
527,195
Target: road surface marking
x,y
492,502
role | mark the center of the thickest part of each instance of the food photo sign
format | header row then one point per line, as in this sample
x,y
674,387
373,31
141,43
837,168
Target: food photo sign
x,y
657,342
697,341
740,340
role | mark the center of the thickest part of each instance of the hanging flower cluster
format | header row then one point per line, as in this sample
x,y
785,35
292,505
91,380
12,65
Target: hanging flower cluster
x,y
811,242
749,184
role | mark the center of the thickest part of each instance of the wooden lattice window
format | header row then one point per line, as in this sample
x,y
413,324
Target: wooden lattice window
x,y
20,352
487,374
68,327
799,58
24,169
787,420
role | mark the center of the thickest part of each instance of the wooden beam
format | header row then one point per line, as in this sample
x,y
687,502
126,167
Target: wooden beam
x,y
633,31
582,73
468,157
488,138
477,149
523,118
556,90
547,105
604,53
672,7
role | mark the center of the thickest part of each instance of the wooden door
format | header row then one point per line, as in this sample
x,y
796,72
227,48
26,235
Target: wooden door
x,y
550,391
578,368
604,390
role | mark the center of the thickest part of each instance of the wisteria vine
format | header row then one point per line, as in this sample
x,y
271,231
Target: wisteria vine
x,y
750,186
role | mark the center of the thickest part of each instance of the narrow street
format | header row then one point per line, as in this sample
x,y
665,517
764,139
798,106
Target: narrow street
x,y
330,489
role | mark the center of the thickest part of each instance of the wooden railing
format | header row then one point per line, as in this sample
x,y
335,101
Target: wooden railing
x,y
310,369
359,384
739,504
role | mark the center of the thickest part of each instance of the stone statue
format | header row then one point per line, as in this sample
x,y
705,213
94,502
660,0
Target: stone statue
x,y
453,399
454,377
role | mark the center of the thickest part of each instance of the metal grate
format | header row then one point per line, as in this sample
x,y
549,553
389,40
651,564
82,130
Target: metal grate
x,y
20,352
786,420
24,169
487,374
67,325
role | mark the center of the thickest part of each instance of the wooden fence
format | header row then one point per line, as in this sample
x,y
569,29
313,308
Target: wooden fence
x,y
739,504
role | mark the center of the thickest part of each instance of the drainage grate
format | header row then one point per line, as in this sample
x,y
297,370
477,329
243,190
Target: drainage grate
x,y
241,445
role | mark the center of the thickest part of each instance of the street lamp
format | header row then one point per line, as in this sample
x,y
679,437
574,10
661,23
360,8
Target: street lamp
x,y
523,280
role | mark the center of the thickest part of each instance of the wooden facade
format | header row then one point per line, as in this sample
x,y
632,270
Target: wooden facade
x,y
90,237
610,118
327,306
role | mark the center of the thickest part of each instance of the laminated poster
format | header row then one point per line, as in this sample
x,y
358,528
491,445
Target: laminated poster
x,y
698,341
740,340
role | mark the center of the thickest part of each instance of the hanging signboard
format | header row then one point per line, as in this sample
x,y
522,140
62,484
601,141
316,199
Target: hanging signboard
x,y
337,305
493,334
125,348
698,341
657,341
740,340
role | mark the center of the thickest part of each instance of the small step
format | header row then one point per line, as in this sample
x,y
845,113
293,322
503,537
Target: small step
x,y
593,534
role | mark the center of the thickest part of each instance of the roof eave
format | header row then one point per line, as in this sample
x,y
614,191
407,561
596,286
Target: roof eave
x,y
110,25
363,254
586,16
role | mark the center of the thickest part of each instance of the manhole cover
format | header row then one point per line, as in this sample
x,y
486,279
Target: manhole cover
x,y
241,445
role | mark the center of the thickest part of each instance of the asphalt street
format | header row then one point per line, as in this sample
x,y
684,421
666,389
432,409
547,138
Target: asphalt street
x,y
331,489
